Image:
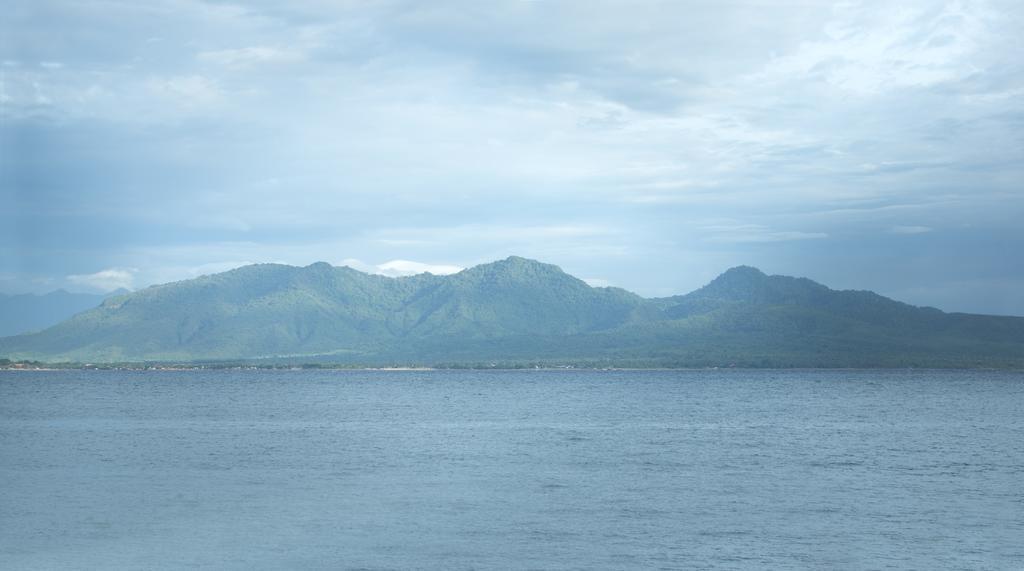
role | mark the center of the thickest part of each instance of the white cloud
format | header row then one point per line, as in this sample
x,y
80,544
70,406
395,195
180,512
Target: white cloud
x,y
189,90
249,56
869,51
409,268
106,280
397,268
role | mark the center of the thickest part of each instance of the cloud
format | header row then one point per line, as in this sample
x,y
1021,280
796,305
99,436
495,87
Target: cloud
x,y
869,51
397,268
187,90
249,56
499,233
910,229
755,233
106,280
408,268
598,136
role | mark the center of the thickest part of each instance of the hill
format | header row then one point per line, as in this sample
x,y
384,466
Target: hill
x,y
517,311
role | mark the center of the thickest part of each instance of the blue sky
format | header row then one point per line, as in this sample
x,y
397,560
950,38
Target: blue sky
x,y
648,145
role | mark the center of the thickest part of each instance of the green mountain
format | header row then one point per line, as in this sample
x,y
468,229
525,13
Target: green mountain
x,y
516,311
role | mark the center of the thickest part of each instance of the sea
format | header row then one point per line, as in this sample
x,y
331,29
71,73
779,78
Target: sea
x,y
533,469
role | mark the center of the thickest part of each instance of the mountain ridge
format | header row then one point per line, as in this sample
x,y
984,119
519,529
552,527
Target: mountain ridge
x,y
517,310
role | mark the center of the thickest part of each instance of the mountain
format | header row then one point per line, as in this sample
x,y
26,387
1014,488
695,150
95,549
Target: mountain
x,y
517,311
23,313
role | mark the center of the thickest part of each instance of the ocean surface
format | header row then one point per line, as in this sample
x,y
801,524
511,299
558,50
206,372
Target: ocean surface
x,y
511,470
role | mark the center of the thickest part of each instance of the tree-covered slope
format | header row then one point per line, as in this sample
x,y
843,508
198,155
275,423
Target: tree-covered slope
x,y
518,310
747,317
270,310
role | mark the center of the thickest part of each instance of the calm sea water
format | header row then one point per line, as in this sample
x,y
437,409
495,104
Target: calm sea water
x,y
516,469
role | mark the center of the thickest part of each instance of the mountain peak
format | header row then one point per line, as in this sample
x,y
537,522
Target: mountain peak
x,y
519,260
746,272
749,284
739,276
745,283
518,264
516,273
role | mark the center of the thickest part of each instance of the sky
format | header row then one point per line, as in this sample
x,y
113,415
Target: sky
x,y
648,145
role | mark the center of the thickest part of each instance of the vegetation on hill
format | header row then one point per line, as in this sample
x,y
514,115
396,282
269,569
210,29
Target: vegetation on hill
x,y
516,312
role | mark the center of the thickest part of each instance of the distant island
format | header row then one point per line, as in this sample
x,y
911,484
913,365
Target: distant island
x,y
511,313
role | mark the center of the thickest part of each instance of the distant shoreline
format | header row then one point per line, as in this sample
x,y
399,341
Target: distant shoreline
x,y
53,367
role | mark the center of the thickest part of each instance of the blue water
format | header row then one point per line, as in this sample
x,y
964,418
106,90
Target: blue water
x,y
516,469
